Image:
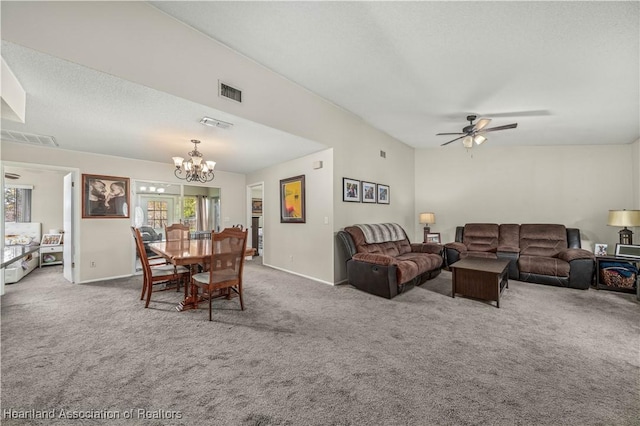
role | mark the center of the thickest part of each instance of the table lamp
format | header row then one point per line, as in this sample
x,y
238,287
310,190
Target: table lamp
x,y
427,219
624,218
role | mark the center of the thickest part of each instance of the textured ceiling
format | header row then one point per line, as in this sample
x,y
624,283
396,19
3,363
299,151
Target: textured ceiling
x,y
87,110
567,72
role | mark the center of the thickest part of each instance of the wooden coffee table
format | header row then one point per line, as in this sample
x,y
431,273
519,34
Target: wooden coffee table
x,y
480,278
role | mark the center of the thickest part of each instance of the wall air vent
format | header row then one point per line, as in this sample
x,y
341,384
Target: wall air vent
x,y
226,91
28,138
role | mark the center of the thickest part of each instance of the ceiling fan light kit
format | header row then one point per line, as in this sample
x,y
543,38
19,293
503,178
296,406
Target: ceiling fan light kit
x,y
479,139
474,132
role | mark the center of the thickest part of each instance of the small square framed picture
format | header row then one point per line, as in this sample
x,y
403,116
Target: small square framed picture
x,y
368,192
51,240
383,194
433,237
628,250
350,190
600,249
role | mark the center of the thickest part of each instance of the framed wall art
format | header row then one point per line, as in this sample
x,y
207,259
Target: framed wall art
x,y
369,192
51,240
105,197
383,194
600,249
628,250
350,190
433,237
256,206
292,200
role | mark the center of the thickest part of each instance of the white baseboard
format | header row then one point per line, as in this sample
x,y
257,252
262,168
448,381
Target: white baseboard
x,y
298,274
105,279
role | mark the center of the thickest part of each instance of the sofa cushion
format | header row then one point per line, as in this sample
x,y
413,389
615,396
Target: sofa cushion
x,y
407,270
482,237
382,232
542,239
543,265
509,239
424,261
389,248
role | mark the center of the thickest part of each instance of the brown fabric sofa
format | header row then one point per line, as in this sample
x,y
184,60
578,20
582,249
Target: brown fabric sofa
x,y
386,268
540,253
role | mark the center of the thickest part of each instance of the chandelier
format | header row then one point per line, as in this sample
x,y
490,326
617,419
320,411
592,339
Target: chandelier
x,y
194,169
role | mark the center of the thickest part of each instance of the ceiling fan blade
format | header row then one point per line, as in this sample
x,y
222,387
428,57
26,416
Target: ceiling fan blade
x,y
447,143
440,134
481,124
505,127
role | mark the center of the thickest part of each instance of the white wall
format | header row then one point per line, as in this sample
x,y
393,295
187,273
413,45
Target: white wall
x,y
635,159
571,185
302,248
126,47
46,198
108,242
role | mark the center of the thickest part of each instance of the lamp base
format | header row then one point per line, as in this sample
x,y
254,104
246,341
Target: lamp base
x,y
626,236
427,230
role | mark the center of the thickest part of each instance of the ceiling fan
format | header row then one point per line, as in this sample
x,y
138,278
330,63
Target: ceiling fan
x,y
475,132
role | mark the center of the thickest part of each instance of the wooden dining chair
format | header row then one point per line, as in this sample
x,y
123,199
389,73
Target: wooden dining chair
x,y
225,266
177,232
156,273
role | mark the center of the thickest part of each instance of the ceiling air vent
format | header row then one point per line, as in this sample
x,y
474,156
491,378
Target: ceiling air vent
x,y
229,92
28,138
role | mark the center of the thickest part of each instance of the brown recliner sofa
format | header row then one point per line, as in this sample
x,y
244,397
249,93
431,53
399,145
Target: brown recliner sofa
x,y
539,253
382,261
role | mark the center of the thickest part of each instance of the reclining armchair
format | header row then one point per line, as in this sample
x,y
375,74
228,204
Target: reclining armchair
x,y
382,261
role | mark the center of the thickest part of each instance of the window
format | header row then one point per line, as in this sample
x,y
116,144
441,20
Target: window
x,y
17,204
157,212
189,213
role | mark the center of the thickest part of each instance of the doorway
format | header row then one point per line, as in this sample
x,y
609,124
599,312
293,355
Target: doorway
x,y
255,216
50,203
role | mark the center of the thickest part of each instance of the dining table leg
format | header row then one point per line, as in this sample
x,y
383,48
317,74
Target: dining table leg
x,y
190,300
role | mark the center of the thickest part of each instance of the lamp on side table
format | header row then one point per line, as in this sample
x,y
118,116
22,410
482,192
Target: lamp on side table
x,y
624,218
427,219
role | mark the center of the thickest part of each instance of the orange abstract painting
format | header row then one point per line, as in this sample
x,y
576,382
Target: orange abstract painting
x,y
292,200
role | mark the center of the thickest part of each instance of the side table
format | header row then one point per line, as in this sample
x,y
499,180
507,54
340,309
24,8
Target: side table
x,y
51,255
602,286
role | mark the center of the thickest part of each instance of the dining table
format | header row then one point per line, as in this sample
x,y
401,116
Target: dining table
x,y
189,253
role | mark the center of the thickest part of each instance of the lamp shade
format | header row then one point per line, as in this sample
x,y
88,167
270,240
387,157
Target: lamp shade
x,y
428,218
624,218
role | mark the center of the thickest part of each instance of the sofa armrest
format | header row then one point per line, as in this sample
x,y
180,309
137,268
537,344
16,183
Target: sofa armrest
x,y
573,253
459,247
373,278
454,252
432,248
377,259
581,272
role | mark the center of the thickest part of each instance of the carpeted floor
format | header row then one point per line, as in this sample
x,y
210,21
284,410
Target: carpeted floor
x,y
305,353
